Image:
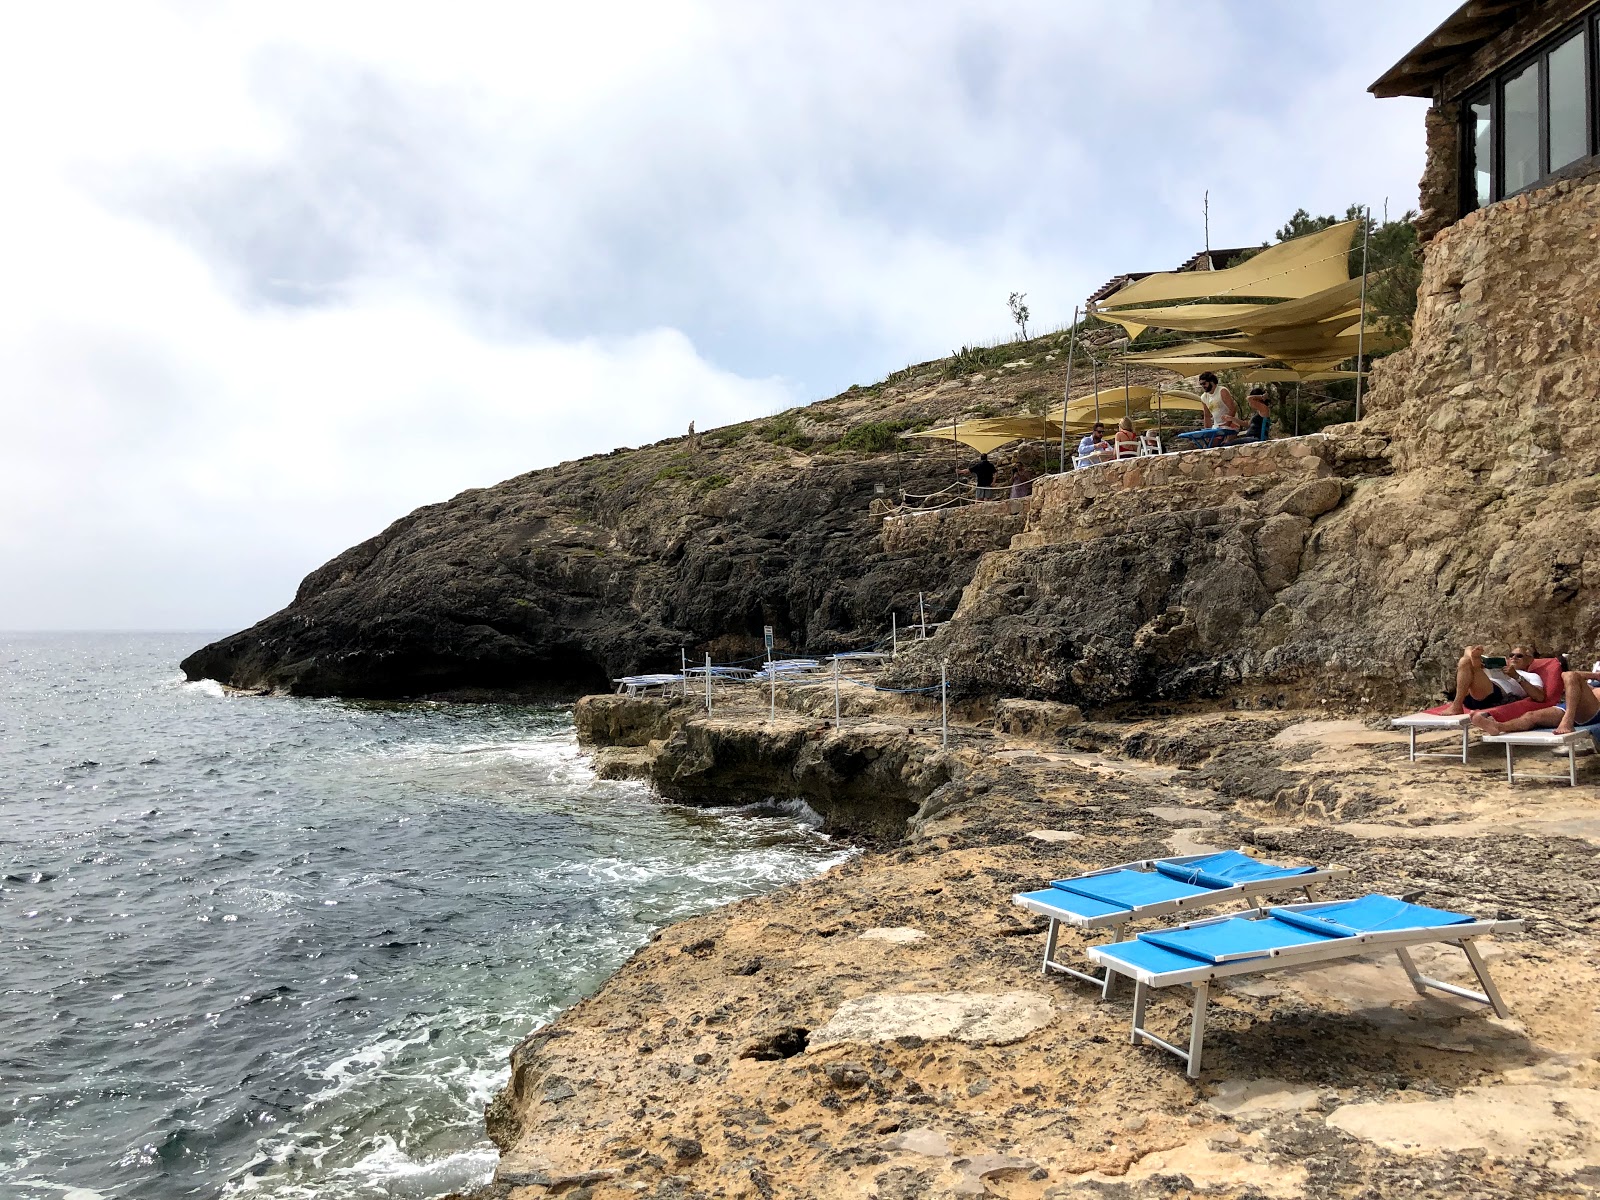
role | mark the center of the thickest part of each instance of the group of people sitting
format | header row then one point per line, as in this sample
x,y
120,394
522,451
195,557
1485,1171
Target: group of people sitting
x,y
1224,412
1480,688
1221,411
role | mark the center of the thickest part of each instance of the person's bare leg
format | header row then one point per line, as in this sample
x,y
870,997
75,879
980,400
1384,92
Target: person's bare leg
x,y
1539,718
1582,705
1471,680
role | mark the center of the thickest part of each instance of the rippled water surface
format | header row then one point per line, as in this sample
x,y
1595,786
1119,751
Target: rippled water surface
x,y
281,948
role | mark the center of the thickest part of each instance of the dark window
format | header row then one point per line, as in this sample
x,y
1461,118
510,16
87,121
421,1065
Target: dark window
x,y
1568,105
1519,130
1532,117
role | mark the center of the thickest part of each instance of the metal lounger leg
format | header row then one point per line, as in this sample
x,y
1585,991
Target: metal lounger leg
x,y
1490,994
1481,970
1413,731
1051,943
1572,763
1197,1027
1464,730
1511,776
1411,971
1050,939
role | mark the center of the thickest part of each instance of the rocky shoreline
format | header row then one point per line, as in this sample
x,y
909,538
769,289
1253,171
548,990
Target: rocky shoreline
x,y
884,1030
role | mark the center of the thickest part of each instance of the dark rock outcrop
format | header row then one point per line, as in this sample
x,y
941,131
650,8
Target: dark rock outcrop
x,y
556,580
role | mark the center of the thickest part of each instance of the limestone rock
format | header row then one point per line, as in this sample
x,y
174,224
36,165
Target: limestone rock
x,y
978,1017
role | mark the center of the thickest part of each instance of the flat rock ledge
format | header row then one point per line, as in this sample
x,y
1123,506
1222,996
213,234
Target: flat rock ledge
x,y
978,1018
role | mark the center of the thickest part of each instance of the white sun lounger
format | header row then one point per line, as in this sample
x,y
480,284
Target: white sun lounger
x,y
1547,739
1159,887
1293,935
638,685
1434,722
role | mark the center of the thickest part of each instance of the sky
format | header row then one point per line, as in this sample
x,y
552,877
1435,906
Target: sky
x,y
273,275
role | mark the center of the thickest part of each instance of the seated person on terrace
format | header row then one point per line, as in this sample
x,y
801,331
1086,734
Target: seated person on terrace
x,y
1094,448
1126,439
1261,416
1580,707
1218,401
1477,689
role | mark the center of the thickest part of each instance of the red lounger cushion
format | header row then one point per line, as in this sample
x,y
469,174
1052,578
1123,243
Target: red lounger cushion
x,y
1547,669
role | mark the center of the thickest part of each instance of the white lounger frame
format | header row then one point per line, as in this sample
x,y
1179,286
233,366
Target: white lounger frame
x,y
638,685
1435,723
1201,975
1547,739
1307,883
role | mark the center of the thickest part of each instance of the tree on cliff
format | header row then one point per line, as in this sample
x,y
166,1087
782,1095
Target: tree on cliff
x,y
1019,312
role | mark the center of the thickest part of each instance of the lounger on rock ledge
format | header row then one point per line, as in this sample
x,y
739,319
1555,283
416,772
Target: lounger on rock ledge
x,y
1292,936
1550,740
1159,887
638,685
1427,722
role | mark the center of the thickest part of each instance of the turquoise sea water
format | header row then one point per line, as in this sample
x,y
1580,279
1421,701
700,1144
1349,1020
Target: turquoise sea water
x,y
281,948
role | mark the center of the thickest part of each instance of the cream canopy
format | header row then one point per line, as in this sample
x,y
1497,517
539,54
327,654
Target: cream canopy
x,y
1135,398
1341,299
1293,269
969,433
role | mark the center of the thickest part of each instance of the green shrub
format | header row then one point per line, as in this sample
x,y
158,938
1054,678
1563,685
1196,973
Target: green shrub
x,y
875,437
784,430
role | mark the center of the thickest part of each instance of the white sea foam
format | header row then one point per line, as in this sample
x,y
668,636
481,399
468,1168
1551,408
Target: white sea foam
x,y
352,1070
68,1191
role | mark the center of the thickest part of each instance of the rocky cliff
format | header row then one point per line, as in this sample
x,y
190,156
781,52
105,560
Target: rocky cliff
x,y
557,579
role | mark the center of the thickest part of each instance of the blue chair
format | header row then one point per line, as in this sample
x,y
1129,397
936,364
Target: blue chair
x,y
1159,887
1291,936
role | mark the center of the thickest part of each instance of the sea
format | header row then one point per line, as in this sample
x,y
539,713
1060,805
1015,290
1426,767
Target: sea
x,y
269,947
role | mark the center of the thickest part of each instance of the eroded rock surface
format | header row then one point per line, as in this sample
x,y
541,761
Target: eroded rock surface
x,y
858,1060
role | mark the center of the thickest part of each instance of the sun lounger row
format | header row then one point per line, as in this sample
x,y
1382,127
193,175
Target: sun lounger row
x,y
1255,942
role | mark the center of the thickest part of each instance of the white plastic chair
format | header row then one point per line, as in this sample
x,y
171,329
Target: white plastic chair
x,y
1150,444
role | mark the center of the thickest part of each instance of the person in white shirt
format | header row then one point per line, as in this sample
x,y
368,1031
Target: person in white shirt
x,y
1093,448
1578,708
1218,401
1478,687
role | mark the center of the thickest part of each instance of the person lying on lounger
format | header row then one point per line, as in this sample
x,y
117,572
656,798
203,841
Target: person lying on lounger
x,y
1581,706
1476,688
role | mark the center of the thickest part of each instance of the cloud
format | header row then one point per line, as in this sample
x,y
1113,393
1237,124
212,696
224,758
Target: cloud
x,y
276,274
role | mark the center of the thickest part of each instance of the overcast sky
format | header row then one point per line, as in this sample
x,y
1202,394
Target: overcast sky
x,y
272,275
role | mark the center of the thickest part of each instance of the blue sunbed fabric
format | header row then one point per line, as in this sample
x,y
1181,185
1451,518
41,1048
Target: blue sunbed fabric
x,y
1237,935
1228,869
1158,959
1129,889
1079,906
1369,914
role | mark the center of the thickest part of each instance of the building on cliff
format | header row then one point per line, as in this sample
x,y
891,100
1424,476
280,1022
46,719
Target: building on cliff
x,y
1515,86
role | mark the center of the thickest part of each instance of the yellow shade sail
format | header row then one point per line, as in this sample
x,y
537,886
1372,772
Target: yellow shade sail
x,y
968,434
1289,270
1340,300
1134,399
1190,365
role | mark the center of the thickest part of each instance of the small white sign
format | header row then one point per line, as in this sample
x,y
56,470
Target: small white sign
x,y
767,632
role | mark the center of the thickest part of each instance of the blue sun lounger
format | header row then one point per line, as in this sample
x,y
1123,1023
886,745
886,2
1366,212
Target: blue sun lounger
x,y
1293,935
1160,887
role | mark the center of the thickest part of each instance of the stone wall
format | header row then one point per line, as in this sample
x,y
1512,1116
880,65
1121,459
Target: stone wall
x,y
971,529
1439,193
1083,504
